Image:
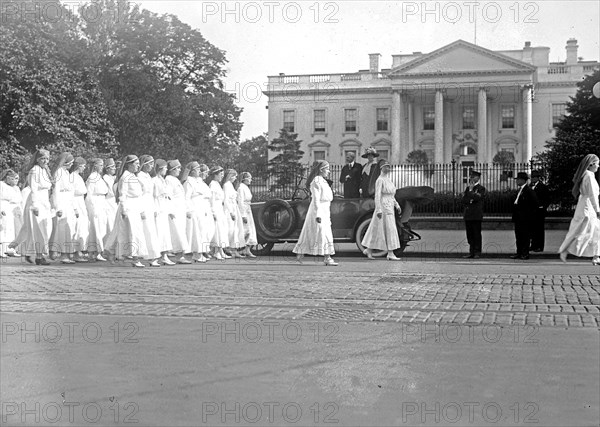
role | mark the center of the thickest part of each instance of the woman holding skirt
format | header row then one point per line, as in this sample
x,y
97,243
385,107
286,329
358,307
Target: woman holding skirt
x,y
37,214
316,237
583,237
382,233
244,203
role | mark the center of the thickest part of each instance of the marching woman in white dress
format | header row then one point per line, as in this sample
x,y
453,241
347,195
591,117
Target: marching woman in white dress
x,y
244,201
98,209
220,238
152,244
110,171
583,237
316,237
11,215
191,185
382,233
127,240
82,222
162,200
63,201
178,213
205,215
37,221
235,225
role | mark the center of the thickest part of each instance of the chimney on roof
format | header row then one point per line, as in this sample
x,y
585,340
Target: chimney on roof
x,y
572,51
527,44
374,62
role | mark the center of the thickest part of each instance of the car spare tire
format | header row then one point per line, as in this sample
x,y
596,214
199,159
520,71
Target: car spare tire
x,y
276,219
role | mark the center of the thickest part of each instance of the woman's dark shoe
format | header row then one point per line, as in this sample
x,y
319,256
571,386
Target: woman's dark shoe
x,y
28,259
41,261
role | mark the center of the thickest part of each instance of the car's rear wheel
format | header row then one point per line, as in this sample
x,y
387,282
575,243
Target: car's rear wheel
x,y
276,219
360,233
262,249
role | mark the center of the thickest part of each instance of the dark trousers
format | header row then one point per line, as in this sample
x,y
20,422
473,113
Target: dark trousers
x,y
523,235
474,236
538,229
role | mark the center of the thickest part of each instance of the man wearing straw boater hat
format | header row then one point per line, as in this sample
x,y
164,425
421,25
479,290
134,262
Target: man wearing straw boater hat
x,y
524,208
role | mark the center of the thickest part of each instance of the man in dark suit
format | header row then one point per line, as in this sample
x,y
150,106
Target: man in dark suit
x,y
350,177
538,226
473,215
524,208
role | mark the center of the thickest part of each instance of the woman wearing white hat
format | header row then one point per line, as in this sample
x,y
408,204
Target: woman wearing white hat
x,y
178,214
235,225
244,202
316,237
152,244
110,172
162,207
82,227
193,196
63,201
382,233
220,239
11,215
98,209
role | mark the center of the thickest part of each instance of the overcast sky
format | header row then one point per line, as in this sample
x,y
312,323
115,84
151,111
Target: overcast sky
x,y
307,37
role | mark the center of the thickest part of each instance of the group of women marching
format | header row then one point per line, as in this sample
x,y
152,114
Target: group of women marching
x,y
147,210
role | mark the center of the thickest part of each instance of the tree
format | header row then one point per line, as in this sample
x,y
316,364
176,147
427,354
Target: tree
x,y
417,157
49,97
504,158
285,167
577,134
252,155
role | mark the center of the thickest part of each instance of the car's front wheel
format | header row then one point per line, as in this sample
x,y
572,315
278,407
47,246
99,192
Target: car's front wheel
x,y
360,234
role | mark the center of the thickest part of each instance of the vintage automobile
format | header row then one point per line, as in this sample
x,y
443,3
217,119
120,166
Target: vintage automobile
x,y
281,221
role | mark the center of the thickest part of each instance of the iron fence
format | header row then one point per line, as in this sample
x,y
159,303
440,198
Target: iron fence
x,y
449,181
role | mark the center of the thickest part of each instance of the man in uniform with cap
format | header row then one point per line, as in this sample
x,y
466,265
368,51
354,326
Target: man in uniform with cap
x,y
538,227
524,208
473,215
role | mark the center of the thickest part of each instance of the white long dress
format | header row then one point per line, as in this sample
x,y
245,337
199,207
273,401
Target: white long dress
x,y
10,204
152,243
193,229
178,208
205,215
127,237
161,205
220,238
110,200
382,234
317,238
63,238
583,237
36,230
100,214
244,203
82,223
235,227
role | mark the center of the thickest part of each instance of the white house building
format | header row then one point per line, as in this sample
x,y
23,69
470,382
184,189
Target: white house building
x,y
461,101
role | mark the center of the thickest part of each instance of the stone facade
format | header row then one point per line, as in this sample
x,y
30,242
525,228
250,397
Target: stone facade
x,y
461,102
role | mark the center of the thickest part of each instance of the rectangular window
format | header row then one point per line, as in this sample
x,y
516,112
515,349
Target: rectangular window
x,y
429,118
558,112
508,117
319,119
319,155
468,118
351,114
289,120
383,119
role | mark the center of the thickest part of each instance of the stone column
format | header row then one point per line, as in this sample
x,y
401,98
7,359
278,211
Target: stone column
x,y
482,146
411,126
438,138
527,123
396,127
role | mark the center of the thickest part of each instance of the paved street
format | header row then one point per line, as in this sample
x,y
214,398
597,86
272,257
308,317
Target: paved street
x,y
429,340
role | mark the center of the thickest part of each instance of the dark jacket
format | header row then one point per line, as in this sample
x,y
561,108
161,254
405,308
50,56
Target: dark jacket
x,y
543,195
352,184
524,209
473,201
367,182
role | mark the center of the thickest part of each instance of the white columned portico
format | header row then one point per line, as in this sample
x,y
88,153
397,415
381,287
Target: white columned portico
x,y
527,122
438,138
482,126
395,155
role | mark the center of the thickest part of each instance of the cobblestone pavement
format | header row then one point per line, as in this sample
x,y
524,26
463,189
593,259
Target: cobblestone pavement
x,y
236,292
